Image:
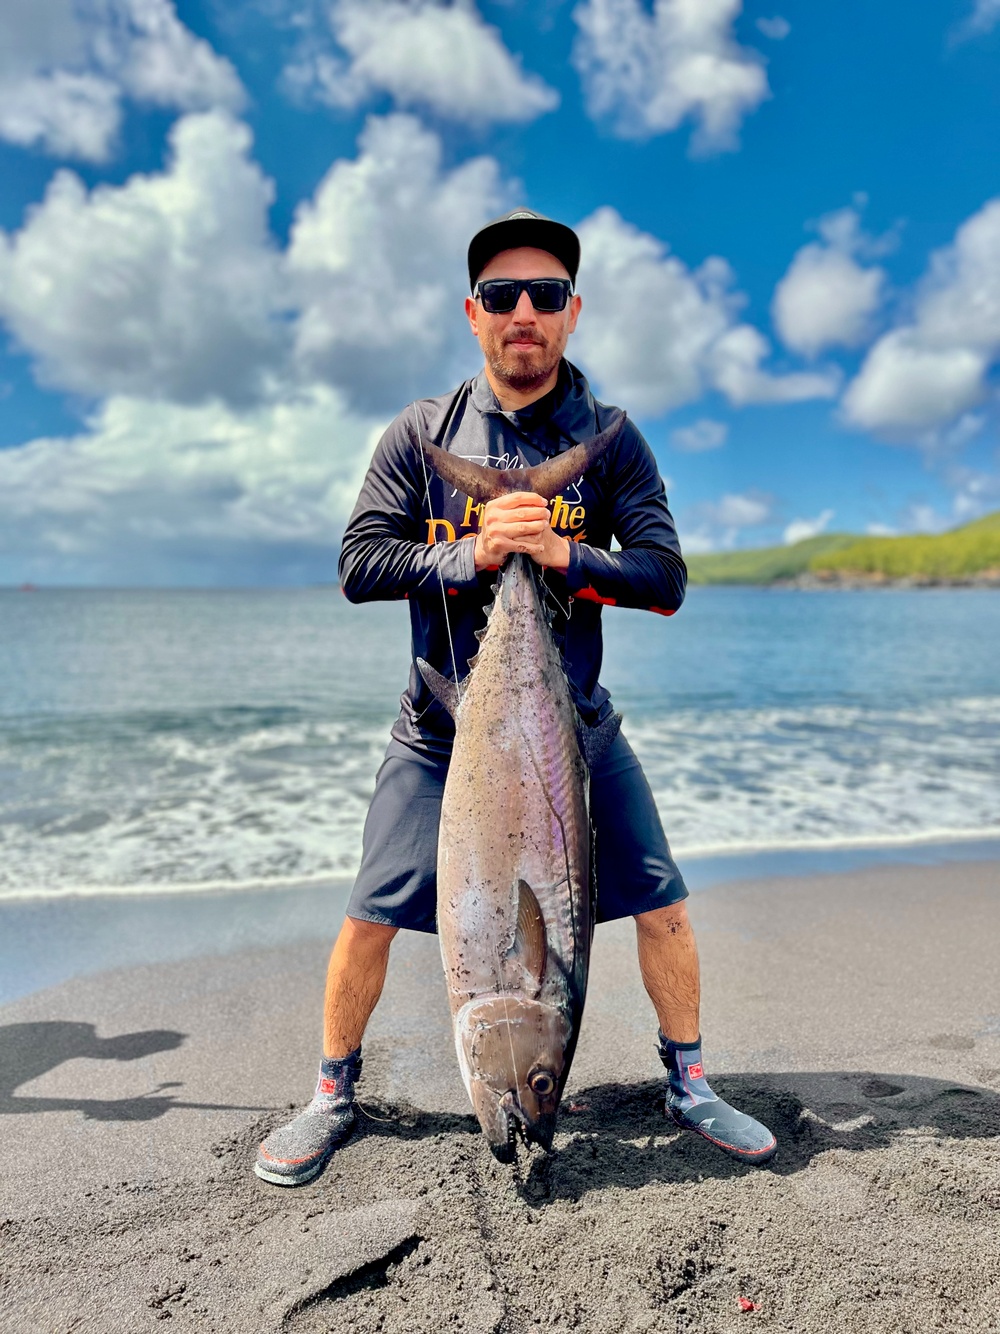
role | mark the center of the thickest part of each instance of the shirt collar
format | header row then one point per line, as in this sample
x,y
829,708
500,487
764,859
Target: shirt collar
x,y
568,407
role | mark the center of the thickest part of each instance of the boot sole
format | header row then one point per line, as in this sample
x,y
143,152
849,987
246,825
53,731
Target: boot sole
x,y
309,1171
307,1174
753,1157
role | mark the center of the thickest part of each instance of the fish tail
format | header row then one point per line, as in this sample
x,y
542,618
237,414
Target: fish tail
x,y
545,479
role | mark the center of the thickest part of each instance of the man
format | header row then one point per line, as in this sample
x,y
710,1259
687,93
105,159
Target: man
x,y
408,538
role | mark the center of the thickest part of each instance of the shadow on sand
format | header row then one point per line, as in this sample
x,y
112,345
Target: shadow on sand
x,y
30,1050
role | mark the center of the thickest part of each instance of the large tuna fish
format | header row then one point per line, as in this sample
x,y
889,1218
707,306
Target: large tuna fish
x,y
515,901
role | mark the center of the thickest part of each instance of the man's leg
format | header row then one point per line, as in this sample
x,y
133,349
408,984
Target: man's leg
x,y
395,883
354,981
668,961
298,1151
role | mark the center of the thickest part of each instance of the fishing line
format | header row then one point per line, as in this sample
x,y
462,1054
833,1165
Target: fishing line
x,y
567,611
437,553
371,1115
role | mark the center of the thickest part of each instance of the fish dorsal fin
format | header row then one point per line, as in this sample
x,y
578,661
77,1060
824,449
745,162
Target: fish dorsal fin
x,y
594,741
546,479
529,947
446,692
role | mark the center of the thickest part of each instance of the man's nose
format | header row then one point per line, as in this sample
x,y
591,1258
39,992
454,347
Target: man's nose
x,y
524,311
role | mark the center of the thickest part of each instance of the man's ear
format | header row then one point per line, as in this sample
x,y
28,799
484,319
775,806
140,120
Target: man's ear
x,y
472,315
574,311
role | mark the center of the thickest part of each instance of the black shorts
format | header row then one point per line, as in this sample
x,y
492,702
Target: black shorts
x,y
397,882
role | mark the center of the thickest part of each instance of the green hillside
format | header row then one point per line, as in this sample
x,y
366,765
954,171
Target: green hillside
x,y
765,564
971,549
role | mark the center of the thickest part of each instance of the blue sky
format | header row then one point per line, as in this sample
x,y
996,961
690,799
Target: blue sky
x,y
233,242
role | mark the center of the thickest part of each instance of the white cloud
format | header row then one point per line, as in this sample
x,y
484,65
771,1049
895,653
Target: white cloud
x,y
921,517
166,286
736,370
656,334
152,490
827,298
649,72
740,511
975,492
881,530
717,524
777,28
376,261
170,285
70,115
800,529
66,64
702,435
431,54
906,386
984,18
926,373
985,15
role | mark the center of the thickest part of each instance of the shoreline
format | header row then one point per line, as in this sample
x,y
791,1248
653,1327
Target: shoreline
x,y
50,938
858,582
949,842
854,1012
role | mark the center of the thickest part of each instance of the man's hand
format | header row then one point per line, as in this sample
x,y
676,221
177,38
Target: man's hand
x,y
519,521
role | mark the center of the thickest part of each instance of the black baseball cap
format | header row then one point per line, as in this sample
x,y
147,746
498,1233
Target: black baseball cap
x,y
522,227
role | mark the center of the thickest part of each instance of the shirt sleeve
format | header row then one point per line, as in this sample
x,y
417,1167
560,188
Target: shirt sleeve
x,y
385,554
649,571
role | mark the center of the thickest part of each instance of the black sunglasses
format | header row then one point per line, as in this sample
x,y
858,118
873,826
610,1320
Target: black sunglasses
x,y
500,295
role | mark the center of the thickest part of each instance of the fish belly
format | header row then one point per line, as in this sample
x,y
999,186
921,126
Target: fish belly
x,y
515,809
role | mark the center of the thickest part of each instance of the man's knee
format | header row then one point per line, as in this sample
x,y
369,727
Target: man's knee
x,y
668,920
365,937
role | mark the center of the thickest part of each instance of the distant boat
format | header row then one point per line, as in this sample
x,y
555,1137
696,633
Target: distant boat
x,y
29,588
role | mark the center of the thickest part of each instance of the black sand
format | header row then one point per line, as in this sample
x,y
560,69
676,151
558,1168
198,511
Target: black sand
x,y
859,1015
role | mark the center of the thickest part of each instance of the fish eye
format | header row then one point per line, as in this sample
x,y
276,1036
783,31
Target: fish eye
x,y
542,1083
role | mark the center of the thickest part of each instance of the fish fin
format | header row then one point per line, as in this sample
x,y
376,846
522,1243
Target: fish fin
x,y
594,741
529,936
446,692
554,475
472,479
480,634
545,479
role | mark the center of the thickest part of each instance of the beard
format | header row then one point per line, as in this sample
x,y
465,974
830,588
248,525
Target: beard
x,y
521,368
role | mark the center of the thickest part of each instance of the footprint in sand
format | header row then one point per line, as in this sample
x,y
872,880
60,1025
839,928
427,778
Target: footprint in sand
x,y
880,1088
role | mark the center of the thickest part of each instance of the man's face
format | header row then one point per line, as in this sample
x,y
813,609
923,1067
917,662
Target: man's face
x,y
524,346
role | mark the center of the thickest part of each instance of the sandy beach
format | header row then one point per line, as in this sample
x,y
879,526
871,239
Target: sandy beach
x,y
858,1014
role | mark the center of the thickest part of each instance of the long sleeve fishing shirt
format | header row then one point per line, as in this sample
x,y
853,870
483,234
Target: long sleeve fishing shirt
x,y
411,535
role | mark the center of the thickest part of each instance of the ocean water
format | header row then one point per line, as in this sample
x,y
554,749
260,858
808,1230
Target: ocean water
x,y
222,738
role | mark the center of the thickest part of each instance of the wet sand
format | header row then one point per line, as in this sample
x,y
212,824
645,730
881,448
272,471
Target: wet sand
x,y
858,1014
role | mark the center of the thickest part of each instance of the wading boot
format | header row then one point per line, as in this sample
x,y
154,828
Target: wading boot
x,y
690,1103
298,1151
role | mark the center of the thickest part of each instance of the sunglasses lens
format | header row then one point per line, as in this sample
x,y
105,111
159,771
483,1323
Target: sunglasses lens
x,y
499,296
547,295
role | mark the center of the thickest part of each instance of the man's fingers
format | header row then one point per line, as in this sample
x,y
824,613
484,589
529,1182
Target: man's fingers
x,y
524,513
504,543
517,500
528,528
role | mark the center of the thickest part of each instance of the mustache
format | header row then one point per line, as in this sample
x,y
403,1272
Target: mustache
x,y
525,335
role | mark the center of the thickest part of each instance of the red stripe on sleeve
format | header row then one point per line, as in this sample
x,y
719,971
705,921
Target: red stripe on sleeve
x,y
591,595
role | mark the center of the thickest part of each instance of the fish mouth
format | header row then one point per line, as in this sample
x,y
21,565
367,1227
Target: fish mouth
x,y
514,1124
